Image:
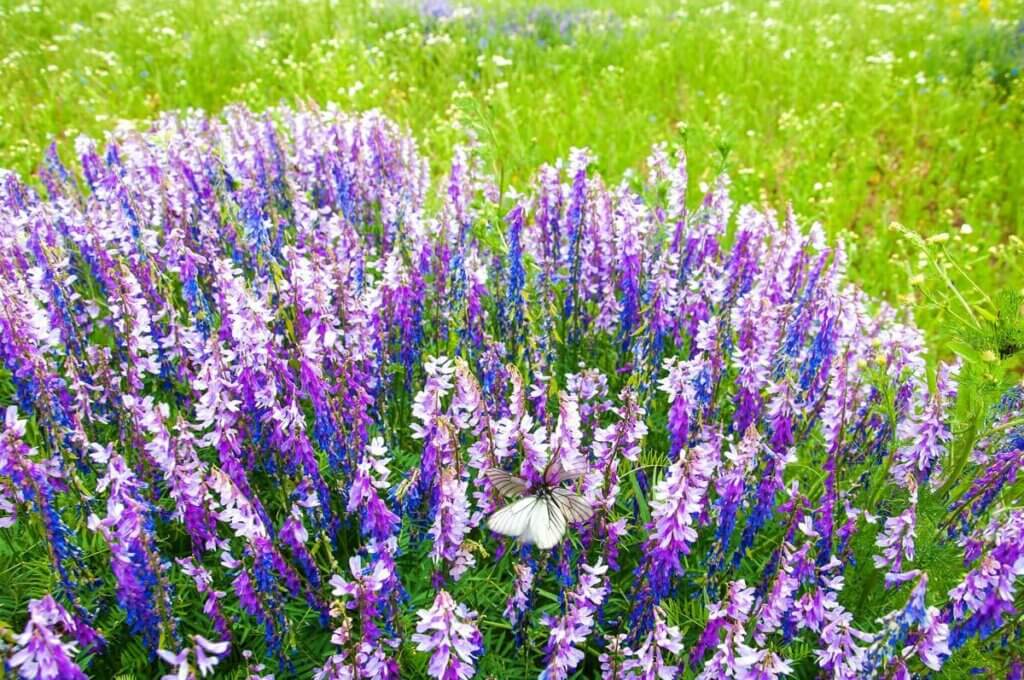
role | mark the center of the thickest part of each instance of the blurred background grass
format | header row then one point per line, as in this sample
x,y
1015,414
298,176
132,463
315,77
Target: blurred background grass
x,y
860,114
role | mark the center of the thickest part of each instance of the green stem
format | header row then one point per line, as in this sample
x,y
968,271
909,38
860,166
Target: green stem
x,y
960,460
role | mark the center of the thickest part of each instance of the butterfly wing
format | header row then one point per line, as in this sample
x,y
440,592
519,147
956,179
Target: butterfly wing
x,y
546,525
573,506
507,484
514,519
555,473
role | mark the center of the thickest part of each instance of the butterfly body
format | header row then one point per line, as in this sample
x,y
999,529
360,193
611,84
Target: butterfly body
x,y
541,518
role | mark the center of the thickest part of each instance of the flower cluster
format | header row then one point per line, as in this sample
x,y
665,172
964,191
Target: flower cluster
x,y
255,368
41,652
650,661
447,631
207,656
569,631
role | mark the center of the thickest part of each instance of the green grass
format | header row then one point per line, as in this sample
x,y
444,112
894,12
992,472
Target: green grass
x,y
859,114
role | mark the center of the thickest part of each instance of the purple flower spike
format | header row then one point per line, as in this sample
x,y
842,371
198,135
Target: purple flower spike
x,y
451,522
985,596
570,631
897,543
370,479
927,432
650,661
518,603
448,632
40,653
679,499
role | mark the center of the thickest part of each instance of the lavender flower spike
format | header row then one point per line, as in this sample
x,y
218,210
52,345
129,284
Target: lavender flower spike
x,y
448,631
40,652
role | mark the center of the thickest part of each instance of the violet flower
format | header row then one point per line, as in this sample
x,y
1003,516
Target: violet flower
x,y
760,664
913,630
427,409
207,655
371,594
678,384
731,485
678,501
514,318
985,595
448,632
568,632
729,614
40,652
1000,473
927,433
142,589
451,521
567,439
518,604
650,661
897,543
364,496
773,611
28,478
204,584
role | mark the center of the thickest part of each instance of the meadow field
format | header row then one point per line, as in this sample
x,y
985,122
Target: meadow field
x,y
857,114
291,288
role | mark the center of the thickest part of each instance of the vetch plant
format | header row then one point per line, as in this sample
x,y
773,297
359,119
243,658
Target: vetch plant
x,y
268,390
447,631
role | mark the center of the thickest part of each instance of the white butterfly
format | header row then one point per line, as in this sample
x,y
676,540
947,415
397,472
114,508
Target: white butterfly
x,y
539,519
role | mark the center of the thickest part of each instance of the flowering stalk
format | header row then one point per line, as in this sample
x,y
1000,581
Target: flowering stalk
x,y
984,597
648,661
28,481
370,479
897,544
41,652
447,630
678,502
568,632
451,522
128,528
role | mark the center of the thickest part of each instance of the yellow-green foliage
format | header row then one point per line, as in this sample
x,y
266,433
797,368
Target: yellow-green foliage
x,y
861,113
